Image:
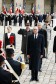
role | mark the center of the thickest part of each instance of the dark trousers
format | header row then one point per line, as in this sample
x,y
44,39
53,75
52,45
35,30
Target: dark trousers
x,y
40,64
34,74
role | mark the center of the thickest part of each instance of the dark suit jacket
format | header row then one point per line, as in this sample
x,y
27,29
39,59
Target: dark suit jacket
x,y
54,28
54,45
7,41
16,66
35,49
44,33
5,77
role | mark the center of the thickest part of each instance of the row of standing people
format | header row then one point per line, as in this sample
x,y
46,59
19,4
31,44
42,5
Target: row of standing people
x,y
27,17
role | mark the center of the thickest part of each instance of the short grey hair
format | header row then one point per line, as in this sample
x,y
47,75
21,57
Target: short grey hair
x,y
39,24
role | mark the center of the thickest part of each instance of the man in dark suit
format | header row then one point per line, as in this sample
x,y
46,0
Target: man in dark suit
x,y
5,76
20,19
35,52
14,64
7,37
54,47
44,33
25,33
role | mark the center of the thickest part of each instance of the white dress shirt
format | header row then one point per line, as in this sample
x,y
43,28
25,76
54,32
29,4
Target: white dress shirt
x,y
9,34
36,36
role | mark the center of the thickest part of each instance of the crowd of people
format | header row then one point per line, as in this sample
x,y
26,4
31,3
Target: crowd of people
x,y
18,18
35,44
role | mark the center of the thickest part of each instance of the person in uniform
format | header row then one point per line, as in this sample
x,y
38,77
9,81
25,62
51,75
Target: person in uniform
x,y
54,44
48,30
54,47
20,19
8,36
2,17
30,19
44,16
44,33
35,18
40,18
14,64
25,33
5,76
35,49
15,19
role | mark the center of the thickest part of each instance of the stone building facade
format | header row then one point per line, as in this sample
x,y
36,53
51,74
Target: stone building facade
x,y
39,5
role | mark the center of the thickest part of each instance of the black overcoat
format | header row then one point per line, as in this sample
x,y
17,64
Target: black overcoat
x,y
35,49
5,77
16,67
44,33
54,45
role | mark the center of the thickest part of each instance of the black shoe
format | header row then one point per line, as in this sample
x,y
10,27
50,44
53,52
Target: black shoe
x,y
31,79
40,70
26,62
37,80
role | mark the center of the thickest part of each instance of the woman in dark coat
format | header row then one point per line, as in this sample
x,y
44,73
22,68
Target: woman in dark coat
x,y
54,47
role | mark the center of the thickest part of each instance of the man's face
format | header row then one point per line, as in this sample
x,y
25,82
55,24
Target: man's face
x,y
27,28
39,26
9,30
35,31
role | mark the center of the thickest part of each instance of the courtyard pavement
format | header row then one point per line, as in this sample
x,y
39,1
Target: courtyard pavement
x,y
48,74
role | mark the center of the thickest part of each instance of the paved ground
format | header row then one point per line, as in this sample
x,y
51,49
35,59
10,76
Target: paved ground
x,y
48,74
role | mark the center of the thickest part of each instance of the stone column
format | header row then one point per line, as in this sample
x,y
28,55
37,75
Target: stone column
x,y
0,5
18,2
40,6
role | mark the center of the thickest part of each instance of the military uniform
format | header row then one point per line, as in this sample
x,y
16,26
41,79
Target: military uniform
x,y
25,35
14,64
5,76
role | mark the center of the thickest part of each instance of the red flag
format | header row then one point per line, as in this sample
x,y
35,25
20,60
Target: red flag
x,y
10,10
22,11
4,9
17,11
0,44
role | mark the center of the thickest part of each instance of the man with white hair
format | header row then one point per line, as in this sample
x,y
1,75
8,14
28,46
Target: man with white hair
x,y
35,49
44,33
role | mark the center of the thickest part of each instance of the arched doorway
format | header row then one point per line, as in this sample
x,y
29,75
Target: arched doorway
x,y
8,4
28,5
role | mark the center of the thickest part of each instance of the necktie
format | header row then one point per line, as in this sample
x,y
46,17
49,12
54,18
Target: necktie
x,y
35,36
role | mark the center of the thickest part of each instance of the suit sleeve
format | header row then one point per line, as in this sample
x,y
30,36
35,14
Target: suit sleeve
x,y
14,40
42,45
28,46
45,39
21,31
